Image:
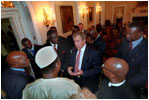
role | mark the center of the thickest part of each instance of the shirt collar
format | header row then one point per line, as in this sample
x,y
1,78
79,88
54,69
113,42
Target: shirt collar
x,y
135,43
97,37
18,69
52,43
83,48
117,84
32,47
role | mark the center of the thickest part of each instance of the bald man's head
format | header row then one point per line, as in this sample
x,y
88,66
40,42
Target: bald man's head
x,y
17,59
116,67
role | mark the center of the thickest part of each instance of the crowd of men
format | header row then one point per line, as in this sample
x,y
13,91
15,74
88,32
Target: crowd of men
x,y
74,67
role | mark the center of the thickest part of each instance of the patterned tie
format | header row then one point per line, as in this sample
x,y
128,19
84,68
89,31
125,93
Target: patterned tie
x,y
77,62
130,47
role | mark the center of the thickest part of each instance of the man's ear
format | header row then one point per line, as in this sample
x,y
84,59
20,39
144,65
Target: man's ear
x,y
57,66
112,75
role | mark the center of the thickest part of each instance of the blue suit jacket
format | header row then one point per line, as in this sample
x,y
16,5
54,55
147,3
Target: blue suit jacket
x,y
90,66
137,60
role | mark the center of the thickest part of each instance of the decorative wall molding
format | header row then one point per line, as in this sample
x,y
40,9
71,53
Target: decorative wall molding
x,y
14,18
139,12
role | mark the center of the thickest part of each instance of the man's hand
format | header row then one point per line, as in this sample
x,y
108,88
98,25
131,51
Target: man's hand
x,y
70,70
79,73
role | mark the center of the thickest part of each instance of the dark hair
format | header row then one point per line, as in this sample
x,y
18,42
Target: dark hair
x,y
53,28
9,26
82,34
80,24
140,27
75,28
51,32
23,41
50,67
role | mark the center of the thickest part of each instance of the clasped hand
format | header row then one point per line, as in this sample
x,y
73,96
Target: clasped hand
x,y
79,73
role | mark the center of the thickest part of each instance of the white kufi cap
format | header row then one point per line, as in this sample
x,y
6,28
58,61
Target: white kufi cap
x,y
45,56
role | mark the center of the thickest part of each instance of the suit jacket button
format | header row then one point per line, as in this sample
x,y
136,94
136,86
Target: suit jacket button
x,y
132,59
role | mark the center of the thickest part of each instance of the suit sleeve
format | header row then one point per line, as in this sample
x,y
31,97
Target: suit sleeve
x,y
95,69
138,80
101,47
120,50
66,58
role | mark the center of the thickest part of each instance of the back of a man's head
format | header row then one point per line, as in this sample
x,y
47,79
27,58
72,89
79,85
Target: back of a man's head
x,y
17,59
85,93
75,28
116,66
46,59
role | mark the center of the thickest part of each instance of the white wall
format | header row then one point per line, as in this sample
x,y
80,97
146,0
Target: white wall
x,y
130,5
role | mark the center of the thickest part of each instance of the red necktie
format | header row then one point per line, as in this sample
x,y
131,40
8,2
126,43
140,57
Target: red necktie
x,y
55,47
130,47
77,62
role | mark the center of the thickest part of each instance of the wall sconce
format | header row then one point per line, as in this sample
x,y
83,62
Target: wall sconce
x,y
83,10
48,19
98,9
7,4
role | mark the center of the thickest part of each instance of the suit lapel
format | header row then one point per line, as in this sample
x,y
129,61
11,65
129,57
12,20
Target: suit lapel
x,y
126,48
74,56
84,57
137,48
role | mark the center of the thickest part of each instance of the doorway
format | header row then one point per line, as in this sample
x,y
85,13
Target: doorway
x,y
8,41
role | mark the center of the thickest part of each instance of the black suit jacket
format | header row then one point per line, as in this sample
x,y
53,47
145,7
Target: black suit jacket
x,y
137,60
90,66
35,67
99,44
63,52
70,41
120,92
14,82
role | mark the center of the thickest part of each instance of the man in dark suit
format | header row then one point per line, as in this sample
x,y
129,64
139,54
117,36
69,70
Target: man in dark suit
x,y
98,42
15,78
81,28
31,51
61,47
84,63
70,39
134,49
115,85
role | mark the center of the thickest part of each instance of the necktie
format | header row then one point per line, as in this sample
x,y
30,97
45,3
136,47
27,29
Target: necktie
x,y
55,47
77,62
32,52
130,47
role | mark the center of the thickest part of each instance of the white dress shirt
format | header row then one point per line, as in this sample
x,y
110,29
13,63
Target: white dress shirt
x,y
53,45
97,37
117,84
81,55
